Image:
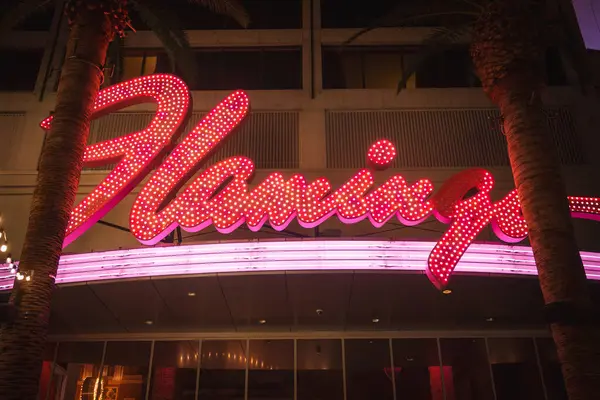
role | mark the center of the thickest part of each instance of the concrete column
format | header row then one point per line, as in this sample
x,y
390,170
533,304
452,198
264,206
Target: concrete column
x,y
312,140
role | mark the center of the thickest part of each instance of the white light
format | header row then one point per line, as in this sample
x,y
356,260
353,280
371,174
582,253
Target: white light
x,y
375,320
191,294
149,322
13,269
262,321
28,278
20,276
3,248
9,260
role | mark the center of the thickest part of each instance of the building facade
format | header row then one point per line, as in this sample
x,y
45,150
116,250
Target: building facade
x,y
336,311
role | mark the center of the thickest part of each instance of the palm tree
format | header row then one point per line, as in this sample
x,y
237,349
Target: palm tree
x,y
508,39
93,24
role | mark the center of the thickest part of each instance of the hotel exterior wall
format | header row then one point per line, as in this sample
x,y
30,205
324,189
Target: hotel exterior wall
x,y
20,114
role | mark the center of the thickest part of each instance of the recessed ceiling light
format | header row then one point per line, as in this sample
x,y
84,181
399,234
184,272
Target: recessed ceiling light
x,y
490,319
262,321
148,322
447,291
410,359
375,320
191,294
319,311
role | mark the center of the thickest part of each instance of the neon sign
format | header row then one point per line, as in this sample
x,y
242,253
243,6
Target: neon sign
x,y
220,194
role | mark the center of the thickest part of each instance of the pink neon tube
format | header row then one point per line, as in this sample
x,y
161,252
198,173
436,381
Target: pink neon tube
x,y
294,255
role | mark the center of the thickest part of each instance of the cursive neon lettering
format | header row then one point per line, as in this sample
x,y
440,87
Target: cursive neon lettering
x,y
220,195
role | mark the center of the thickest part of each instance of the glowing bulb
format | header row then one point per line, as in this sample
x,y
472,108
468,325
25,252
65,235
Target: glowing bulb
x,y
4,247
28,278
20,276
9,260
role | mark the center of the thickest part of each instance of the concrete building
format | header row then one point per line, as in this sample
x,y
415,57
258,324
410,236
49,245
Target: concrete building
x,y
287,314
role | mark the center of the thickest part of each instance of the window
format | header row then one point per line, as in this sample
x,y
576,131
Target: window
x,y
466,369
368,365
553,378
174,370
222,370
19,69
271,369
248,68
417,369
264,14
320,372
515,369
77,369
125,372
381,68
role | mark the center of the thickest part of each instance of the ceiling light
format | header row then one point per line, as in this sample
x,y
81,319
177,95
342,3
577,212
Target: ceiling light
x,y
262,321
148,322
191,294
410,359
319,311
375,320
446,291
490,319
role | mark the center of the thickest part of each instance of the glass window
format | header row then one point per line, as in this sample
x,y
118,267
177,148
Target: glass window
x,y
271,369
515,369
347,14
320,372
553,378
19,69
222,370
47,388
417,369
174,370
368,367
264,14
468,374
381,68
77,370
125,372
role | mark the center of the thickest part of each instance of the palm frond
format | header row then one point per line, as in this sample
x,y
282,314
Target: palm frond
x,y
391,22
440,40
163,23
230,8
18,11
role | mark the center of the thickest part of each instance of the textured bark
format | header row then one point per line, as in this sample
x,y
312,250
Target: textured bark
x,y
22,342
507,50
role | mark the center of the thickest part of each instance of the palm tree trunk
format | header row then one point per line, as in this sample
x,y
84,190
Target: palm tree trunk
x,y
543,199
22,342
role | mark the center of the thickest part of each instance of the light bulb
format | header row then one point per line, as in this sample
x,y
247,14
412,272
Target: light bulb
x,y
20,276
4,247
9,260
13,269
28,278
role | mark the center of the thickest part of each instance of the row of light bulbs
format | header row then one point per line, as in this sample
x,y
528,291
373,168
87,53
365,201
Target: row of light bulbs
x,y
12,264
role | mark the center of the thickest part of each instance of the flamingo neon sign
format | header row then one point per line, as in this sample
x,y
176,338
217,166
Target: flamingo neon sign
x,y
220,194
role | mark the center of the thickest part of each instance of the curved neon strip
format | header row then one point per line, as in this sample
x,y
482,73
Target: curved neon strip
x,y
305,255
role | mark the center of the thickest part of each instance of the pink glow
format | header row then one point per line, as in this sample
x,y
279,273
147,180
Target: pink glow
x,y
204,201
278,256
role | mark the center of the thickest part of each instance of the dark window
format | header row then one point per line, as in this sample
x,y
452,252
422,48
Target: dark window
x,y
466,369
222,370
249,69
368,366
271,369
174,370
452,68
264,14
381,68
515,369
320,370
48,388
417,369
126,369
77,368
354,14
19,69
553,378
